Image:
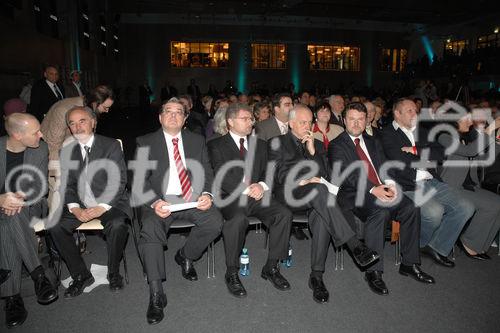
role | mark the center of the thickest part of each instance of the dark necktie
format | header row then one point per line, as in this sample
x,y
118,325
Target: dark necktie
x,y
243,151
372,174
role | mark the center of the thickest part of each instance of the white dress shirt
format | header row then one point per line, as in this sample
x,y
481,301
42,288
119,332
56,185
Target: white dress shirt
x,y
89,143
174,183
282,126
422,174
236,139
54,88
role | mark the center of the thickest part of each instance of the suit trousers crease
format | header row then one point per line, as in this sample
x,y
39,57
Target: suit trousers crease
x,y
154,232
325,221
376,220
115,230
275,217
17,246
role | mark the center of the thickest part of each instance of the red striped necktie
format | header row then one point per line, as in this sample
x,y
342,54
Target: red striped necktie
x,y
372,174
187,190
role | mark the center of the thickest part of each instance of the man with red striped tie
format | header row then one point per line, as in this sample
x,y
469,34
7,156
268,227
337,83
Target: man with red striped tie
x,y
182,174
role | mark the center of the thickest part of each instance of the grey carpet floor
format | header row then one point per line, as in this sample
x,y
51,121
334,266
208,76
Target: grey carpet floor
x,y
464,299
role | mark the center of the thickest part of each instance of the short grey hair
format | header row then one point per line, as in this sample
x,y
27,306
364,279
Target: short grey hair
x,y
173,100
86,109
233,109
297,107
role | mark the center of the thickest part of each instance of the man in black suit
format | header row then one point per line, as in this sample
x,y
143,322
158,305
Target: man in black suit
x,y
97,195
299,183
251,188
445,212
45,92
380,203
177,154
337,104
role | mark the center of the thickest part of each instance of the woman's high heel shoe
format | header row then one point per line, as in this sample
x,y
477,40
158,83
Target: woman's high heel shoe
x,y
477,256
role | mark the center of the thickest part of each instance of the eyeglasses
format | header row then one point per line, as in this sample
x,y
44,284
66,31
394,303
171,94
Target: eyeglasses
x,y
173,113
246,119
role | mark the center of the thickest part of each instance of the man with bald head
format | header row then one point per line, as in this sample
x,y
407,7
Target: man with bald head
x,y
444,214
22,156
45,92
294,154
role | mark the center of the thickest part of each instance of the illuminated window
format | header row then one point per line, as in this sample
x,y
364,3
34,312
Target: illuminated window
x,y
455,46
333,57
271,56
393,60
196,54
488,41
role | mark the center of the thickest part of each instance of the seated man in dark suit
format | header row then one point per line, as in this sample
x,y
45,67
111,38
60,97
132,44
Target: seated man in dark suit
x,y
234,146
20,201
176,153
103,197
445,212
380,203
301,188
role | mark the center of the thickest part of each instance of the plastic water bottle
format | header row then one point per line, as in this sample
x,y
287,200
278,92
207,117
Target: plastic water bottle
x,y
288,261
244,263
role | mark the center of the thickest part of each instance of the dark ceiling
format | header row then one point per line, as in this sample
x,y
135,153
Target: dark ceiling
x,y
412,11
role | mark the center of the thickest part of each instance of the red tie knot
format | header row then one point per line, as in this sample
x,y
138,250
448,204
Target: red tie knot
x,y
356,141
175,141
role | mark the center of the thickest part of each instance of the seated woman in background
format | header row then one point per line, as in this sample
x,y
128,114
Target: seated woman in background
x,y
485,223
261,111
322,129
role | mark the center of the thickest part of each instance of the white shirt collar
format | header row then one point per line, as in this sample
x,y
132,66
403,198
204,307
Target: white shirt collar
x,y
360,137
169,137
280,123
89,143
237,138
396,126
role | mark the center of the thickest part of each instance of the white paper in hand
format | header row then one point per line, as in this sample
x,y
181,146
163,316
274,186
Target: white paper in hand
x,y
181,206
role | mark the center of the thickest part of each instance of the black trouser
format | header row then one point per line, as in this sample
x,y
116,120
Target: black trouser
x,y
325,221
376,218
276,218
153,236
115,230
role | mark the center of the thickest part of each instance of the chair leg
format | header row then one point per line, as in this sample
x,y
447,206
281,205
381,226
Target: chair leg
x,y
212,246
337,257
341,258
208,262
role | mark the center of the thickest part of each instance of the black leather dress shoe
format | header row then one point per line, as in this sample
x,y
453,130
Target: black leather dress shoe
x,y
476,256
364,256
485,256
157,302
45,292
115,282
299,233
416,272
320,293
187,267
77,285
234,285
274,275
4,275
438,259
15,313
375,282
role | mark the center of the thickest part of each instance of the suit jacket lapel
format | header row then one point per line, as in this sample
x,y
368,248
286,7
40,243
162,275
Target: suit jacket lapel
x,y
403,136
370,146
231,147
161,151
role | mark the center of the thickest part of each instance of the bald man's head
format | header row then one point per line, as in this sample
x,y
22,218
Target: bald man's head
x,y
24,128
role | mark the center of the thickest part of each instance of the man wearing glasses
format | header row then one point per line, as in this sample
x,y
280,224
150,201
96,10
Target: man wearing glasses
x,y
247,192
178,156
